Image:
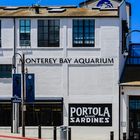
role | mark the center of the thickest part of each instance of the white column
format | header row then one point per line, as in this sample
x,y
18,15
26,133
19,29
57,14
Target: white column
x,y
15,117
124,114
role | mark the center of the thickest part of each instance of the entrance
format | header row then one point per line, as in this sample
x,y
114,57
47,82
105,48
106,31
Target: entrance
x,y
134,117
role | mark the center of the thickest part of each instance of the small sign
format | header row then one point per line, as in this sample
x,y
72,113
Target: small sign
x,y
90,114
106,3
30,88
17,85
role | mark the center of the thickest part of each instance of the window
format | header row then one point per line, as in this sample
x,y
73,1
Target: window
x,y
25,26
48,33
5,71
44,113
83,33
6,111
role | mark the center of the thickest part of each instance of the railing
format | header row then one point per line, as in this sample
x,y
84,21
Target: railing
x,y
133,60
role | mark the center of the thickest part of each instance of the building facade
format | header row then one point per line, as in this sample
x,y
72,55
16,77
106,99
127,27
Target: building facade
x,y
77,58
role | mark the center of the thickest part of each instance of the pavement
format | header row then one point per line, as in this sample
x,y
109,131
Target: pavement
x,y
16,137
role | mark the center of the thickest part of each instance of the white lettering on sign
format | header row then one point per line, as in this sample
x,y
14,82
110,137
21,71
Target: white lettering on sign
x,y
89,111
90,114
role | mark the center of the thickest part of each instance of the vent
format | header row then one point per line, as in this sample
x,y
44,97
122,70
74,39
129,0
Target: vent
x,y
56,9
11,8
36,7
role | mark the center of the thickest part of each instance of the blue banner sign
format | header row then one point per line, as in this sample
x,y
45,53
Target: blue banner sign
x,y
30,88
17,85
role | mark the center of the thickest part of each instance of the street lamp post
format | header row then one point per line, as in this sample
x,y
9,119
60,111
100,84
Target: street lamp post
x,y
127,35
22,59
23,95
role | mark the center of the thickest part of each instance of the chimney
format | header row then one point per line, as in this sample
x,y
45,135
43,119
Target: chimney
x,y
36,6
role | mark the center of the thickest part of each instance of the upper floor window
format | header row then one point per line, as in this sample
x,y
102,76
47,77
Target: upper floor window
x,y
83,33
5,70
48,33
25,27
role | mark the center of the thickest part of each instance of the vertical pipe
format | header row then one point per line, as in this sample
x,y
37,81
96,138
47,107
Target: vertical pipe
x,y
54,133
69,133
111,135
39,131
23,95
14,56
124,136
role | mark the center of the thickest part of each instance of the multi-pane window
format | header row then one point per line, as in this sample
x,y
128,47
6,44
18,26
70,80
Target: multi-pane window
x,y
45,114
83,33
5,70
25,27
48,33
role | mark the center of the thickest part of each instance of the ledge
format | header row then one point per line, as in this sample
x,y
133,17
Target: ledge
x,y
41,48
84,48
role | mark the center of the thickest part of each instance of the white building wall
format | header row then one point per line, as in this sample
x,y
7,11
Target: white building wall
x,y
76,83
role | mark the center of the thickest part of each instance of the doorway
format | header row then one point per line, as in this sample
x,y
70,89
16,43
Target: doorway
x,y
134,117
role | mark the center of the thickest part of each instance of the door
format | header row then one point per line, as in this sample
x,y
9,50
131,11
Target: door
x,y
134,117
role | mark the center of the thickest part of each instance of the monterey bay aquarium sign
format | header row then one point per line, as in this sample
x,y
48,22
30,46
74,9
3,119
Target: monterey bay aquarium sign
x,y
90,61
90,114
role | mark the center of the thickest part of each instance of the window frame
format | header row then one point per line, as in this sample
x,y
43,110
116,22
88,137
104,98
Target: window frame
x,y
26,34
82,29
48,30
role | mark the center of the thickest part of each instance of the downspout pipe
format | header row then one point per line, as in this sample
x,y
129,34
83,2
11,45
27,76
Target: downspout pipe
x,y
14,56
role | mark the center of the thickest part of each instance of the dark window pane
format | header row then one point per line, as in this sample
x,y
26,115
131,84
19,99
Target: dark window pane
x,y
48,30
5,71
44,114
6,111
83,33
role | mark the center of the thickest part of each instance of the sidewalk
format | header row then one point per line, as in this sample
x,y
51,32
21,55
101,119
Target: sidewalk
x,y
16,137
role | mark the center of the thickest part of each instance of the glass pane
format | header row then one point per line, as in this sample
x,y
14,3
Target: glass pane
x,y
45,29
27,22
5,71
57,22
22,29
80,30
86,22
27,29
75,22
92,22
51,22
45,36
22,22
80,22
40,23
86,29
45,22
